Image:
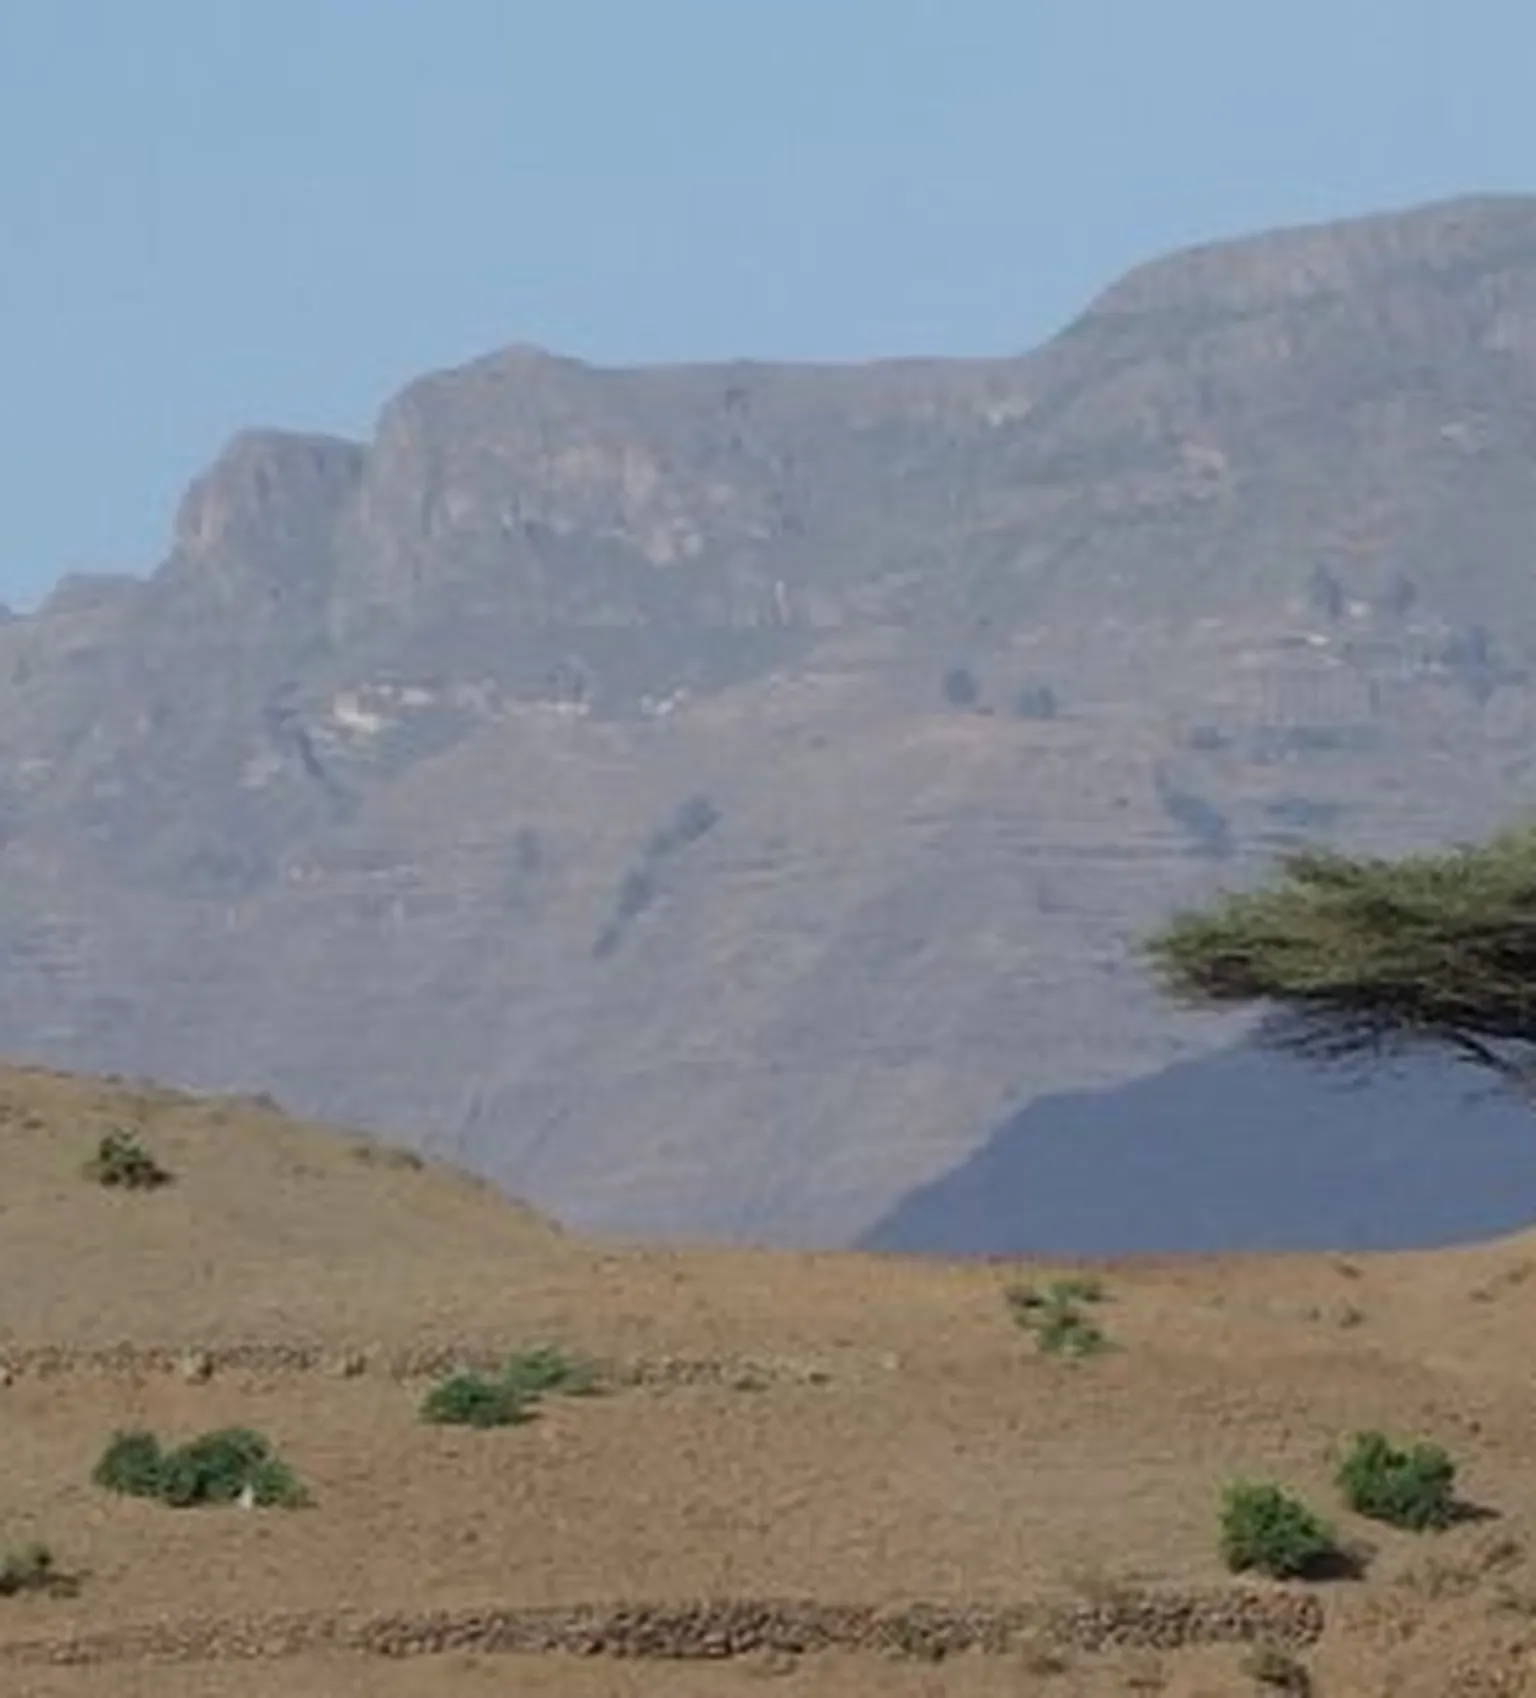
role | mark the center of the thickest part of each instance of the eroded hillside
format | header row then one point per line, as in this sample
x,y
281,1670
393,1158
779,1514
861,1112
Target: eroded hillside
x,y
709,800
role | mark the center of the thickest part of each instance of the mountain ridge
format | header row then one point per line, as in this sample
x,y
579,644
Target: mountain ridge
x,y
980,666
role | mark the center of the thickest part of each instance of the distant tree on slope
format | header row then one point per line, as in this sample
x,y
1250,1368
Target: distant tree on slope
x,y
1359,959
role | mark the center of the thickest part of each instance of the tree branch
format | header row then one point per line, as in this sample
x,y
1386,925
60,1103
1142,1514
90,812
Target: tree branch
x,y
1520,1074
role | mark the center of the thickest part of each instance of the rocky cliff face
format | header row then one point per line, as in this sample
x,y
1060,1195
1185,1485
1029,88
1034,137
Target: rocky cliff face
x,y
708,799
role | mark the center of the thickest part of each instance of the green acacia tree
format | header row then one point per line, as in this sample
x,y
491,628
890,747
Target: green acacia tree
x,y
1358,959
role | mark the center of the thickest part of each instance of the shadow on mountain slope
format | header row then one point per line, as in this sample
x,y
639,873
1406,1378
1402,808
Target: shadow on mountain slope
x,y
1240,1150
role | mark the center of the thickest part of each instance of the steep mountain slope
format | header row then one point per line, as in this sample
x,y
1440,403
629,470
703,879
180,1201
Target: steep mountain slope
x,y
833,1469
708,799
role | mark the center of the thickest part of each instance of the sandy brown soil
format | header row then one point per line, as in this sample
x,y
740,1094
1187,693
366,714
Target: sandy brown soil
x,y
834,1429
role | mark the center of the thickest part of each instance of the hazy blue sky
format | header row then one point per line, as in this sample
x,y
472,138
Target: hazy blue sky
x,y
221,212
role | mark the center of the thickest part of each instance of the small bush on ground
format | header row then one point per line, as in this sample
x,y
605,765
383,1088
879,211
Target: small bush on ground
x,y
1025,1300
1055,1317
230,1465
1066,1331
1077,1288
122,1161
32,1569
1273,1533
131,1465
471,1400
546,1368
1407,1488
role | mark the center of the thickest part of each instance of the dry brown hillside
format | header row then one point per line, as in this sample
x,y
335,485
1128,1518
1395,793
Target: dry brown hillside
x,y
824,1468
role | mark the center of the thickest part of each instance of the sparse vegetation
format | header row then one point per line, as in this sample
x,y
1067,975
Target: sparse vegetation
x,y
546,1368
693,818
472,1400
467,1399
637,890
229,1465
122,1161
1270,1532
1056,1316
1065,1331
1229,1330
1410,1488
31,1568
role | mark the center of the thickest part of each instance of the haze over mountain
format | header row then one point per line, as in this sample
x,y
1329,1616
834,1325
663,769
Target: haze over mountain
x,y
709,800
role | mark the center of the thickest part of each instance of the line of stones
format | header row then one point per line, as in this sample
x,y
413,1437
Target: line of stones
x,y
712,1629
198,1363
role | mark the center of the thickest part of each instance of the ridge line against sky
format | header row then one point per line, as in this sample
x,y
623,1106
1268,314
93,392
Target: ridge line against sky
x,y
221,215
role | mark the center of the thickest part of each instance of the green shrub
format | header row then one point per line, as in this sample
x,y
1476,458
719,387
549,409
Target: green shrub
x,y
548,1369
220,1467
32,1569
131,1465
1055,1318
1065,1331
122,1161
224,1466
1408,1488
471,1400
1027,1300
1267,1530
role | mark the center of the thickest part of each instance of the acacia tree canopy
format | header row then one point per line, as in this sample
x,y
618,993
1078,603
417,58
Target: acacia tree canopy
x,y
1355,959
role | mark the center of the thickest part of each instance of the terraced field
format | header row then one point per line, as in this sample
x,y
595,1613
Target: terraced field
x,y
851,1474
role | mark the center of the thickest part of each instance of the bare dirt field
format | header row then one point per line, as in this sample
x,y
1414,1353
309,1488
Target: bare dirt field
x,y
830,1473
